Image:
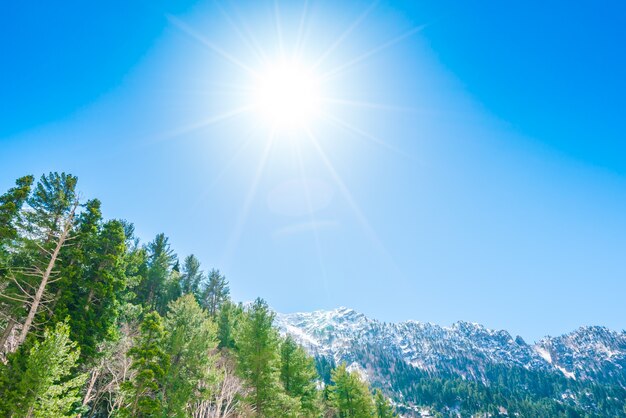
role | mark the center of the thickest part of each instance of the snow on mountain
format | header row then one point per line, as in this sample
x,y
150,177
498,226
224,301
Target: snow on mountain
x,y
464,348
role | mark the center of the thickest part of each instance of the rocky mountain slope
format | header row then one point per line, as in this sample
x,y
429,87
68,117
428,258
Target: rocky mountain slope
x,y
464,350
594,353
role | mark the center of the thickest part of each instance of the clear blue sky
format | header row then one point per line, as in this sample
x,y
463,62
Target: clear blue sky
x,y
483,176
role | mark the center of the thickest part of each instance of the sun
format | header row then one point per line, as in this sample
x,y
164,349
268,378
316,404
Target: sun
x,y
287,95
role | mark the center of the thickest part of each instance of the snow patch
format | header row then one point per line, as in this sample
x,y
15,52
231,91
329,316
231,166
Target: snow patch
x,y
567,374
544,353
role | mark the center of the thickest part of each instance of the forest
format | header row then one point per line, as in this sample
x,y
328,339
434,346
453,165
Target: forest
x,y
96,323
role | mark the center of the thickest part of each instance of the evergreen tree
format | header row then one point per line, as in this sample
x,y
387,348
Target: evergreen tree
x,y
144,391
91,292
228,319
384,409
215,292
350,395
324,366
192,276
10,205
41,381
45,230
189,346
257,345
298,376
161,259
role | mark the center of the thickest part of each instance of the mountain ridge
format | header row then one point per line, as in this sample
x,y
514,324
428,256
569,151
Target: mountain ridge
x,y
467,368
588,352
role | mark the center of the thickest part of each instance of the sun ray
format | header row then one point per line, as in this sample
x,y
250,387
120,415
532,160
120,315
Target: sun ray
x,y
344,35
243,214
226,167
360,216
244,37
194,34
318,245
253,39
300,35
204,123
279,31
351,128
346,66
371,105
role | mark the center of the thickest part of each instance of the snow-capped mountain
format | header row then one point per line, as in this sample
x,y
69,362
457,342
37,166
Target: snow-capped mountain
x,y
464,349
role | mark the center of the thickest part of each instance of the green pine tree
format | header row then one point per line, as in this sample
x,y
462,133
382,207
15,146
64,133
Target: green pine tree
x,y
228,319
153,290
192,276
94,280
215,292
349,395
45,229
41,381
258,359
384,409
10,205
189,346
144,392
299,377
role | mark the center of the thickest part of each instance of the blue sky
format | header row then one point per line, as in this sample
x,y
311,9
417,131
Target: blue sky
x,y
472,164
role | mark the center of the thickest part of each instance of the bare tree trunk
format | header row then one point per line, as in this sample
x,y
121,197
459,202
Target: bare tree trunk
x,y
92,382
45,277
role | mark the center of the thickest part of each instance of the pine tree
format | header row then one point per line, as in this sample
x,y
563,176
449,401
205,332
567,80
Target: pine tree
x,y
257,345
189,346
192,276
384,409
94,281
40,381
350,395
215,292
228,319
45,230
10,205
144,391
299,377
152,292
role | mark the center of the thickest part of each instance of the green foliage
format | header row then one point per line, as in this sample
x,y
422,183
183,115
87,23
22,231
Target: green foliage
x,y
383,407
229,317
215,292
349,395
51,199
43,229
41,381
257,354
10,205
189,346
324,366
92,290
159,282
192,276
299,377
144,392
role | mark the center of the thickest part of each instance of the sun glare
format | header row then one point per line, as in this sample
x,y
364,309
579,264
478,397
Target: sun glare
x,y
287,95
